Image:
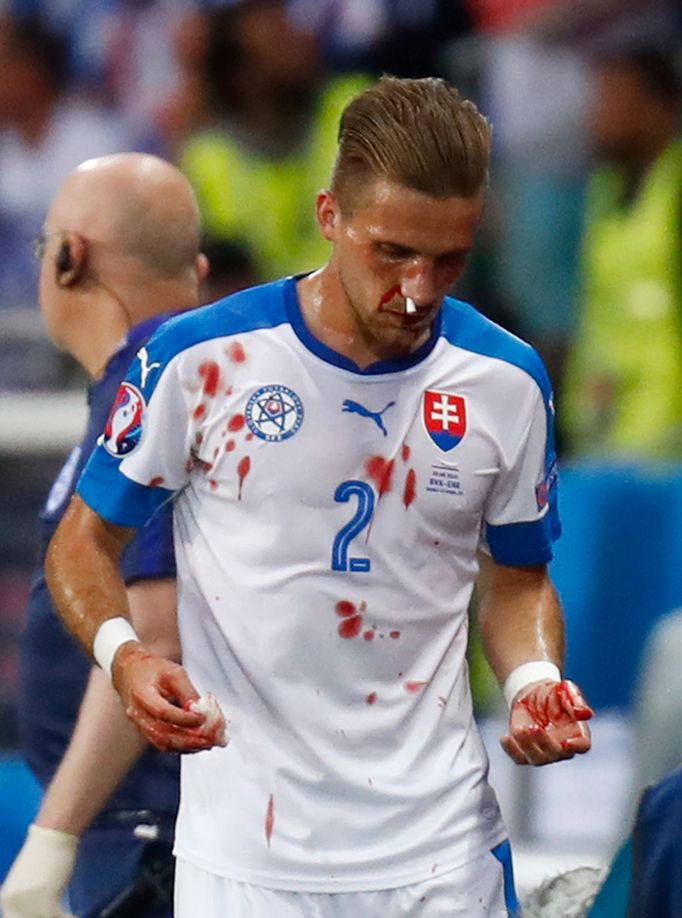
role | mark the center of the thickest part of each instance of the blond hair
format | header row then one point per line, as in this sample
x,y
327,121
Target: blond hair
x,y
418,133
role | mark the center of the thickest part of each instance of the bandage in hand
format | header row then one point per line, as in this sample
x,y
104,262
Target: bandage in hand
x,y
39,875
215,725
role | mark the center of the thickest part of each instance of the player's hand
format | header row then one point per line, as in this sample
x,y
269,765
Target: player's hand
x,y
547,724
39,875
157,696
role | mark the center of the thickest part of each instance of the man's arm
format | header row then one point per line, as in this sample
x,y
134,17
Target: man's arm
x,y
521,622
104,745
82,570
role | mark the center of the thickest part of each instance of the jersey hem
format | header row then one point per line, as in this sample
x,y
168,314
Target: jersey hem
x,y
427,869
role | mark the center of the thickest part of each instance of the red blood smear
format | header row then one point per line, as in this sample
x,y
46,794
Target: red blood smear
x,y
371,698
215,452
199,412
394,635
229,390
236,352
350,627
380,470
198,438
388,296
214,484
210,373
229,446
410,488
236,423
345,609
414,687
269,819
368,635
249,436
406,452
243,470
155,482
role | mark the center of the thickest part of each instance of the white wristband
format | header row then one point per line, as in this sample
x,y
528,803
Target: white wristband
x,y
534,671
110,635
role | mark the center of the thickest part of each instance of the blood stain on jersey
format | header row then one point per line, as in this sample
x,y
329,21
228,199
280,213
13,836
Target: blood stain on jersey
x,y
413,686
243,469
405,452
199,412
214,484
236,422
269,819
345,608
155,482
236,352
230,445
380,470
410,488
350,627
369,634
371,698
210,373
394,635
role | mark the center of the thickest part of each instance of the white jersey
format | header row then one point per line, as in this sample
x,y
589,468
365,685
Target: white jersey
x,y
327,523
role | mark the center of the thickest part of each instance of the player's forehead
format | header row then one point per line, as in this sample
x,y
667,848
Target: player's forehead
x,y
395,214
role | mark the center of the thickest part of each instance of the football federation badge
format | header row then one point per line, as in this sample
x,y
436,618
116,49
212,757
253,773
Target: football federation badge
x,y
274,413
124,427
445,418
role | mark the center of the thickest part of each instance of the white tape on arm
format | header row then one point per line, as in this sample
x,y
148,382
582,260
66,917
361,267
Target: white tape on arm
x,y
533,671
110,635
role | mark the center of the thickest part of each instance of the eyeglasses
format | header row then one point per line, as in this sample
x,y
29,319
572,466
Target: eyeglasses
x,y
40,242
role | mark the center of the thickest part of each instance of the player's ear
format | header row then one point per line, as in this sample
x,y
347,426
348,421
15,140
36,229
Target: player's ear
x,y
69,262
328,215
202,267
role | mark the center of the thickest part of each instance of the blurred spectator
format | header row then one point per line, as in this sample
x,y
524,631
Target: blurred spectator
x,y
645,879
44,133
623,394
400,37
257,171
538,176
232,269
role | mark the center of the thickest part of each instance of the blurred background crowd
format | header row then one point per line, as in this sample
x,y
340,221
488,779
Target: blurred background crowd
x,y
579,253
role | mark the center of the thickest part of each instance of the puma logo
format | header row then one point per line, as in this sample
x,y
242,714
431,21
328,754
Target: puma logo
x,y
376,416
146,367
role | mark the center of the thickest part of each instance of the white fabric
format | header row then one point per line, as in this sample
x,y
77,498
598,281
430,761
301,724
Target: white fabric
x,y
111,634
523,675
474,890
39,875
354,763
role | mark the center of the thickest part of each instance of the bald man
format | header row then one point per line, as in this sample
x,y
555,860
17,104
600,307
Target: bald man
x,y
119,251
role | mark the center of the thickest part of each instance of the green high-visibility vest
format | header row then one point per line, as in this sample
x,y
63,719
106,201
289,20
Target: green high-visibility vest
x,y
623,385
268,203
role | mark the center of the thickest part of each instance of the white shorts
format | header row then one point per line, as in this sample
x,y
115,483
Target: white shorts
x,y
483,888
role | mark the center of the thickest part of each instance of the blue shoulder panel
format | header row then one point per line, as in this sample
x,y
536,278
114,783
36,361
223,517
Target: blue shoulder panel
x,y
466,328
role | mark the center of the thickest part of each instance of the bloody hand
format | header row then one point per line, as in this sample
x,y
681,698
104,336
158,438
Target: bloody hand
x,y
156,695
547,724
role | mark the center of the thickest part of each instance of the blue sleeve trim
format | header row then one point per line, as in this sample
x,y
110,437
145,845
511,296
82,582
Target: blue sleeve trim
x,y
522,544
465,327
118,499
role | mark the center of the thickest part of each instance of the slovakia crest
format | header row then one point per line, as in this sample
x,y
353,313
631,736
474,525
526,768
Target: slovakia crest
x,y
445,418
124,427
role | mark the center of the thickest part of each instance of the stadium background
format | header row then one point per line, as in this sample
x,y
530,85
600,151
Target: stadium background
x,y
132,79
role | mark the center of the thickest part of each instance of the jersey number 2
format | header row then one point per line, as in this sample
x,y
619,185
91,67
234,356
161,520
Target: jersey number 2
x,y
354,526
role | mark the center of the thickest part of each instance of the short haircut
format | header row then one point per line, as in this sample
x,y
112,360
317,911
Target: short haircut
x,y
418,133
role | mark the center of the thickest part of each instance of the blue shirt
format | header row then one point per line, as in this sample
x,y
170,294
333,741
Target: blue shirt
x,y
53,670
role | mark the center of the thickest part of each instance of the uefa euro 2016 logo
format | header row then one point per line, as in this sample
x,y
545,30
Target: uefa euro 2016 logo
x,y
124,427
274,413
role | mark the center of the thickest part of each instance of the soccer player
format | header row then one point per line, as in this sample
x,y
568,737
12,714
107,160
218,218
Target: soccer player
x,y
118,252
349,452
